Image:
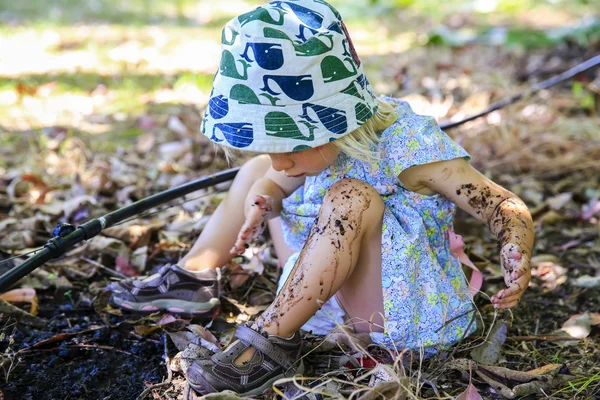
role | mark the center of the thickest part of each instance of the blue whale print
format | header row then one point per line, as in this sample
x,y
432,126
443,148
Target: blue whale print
x,y
311,19
299,88
218,107
333,119
237,134
268,55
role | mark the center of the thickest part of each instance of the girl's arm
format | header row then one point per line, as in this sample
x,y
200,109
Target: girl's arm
x,y
277,186
505,214
263,202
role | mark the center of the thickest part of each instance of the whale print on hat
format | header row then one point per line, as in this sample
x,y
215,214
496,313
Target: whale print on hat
x,y
289,79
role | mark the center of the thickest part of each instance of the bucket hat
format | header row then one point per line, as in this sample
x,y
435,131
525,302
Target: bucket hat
x,y
289,79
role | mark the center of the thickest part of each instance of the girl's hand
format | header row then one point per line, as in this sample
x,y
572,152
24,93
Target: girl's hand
x,y
256,222
517,274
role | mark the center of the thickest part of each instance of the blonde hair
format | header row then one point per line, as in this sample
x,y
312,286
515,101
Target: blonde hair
x,y
360,143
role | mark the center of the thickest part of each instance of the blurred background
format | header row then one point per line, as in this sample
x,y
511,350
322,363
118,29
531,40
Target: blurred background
x,y
108,72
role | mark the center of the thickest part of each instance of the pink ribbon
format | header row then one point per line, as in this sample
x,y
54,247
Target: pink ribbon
x,y
457,247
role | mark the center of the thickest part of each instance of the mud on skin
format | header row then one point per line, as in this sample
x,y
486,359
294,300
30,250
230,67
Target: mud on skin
x,y
340,227
507,217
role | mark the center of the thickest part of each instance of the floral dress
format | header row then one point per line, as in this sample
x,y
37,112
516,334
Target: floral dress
x,y
425,295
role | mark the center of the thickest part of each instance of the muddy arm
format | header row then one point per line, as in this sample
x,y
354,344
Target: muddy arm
x,y
505,214
276,185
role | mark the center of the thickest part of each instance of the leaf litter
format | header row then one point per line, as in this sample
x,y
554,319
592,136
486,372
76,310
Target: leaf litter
x,y
546,150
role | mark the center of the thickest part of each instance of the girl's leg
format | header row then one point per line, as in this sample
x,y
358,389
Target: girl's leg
x,y
211,249
281,249
342,253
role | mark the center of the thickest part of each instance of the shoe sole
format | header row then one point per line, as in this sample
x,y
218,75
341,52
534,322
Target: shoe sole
x,y
254,392
210,308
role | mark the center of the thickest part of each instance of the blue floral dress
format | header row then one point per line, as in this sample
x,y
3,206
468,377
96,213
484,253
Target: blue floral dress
x,y
425,295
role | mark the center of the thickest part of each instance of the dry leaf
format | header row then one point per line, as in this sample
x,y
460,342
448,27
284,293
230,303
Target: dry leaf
x,y
579,326
139,258
20,315
177,126
587,281
489,352
135,234
207,339
237,276
255,265
24,295
512,384
470,394
72,205
559,201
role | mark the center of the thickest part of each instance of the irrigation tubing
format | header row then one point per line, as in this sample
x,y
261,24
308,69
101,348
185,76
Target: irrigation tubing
x,y
65,239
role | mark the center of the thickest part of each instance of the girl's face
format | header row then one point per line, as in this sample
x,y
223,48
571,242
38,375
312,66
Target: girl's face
x,y
308,162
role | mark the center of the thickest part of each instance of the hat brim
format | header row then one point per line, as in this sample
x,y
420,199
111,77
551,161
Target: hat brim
x,y
250,126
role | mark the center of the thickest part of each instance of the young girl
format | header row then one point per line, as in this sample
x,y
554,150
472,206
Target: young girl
x,y
366,191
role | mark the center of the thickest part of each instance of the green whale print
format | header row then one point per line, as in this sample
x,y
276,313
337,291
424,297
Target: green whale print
x,y
228,67
276,120
334,69
312,47
261,14
234,34
243,94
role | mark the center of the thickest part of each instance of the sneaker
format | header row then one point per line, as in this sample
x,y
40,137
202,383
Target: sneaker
x,y
275,357
173,289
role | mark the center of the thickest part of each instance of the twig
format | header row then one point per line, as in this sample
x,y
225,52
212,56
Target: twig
x,y
432,386
110,271
151,388
546,338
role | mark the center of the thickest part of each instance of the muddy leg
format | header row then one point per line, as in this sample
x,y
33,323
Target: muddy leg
x,y
351,215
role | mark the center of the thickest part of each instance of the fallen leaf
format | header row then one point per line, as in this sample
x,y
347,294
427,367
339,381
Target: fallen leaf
x,y
255,265
24,295
177,126
385,383
579,326
203,333
70,206
590,209
22,316
551,274
134,233
123,266
238,276
182,339
489,352
587,281
512,384
207,339
139,258
559,201
470,394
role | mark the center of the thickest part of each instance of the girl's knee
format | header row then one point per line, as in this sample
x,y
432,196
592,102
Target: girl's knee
x,y
352,195
256,167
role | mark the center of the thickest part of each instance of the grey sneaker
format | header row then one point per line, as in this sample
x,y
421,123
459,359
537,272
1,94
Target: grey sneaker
x,y
173,289
275,358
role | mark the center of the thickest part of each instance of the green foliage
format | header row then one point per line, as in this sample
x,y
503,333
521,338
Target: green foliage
x,y
201,81
583,33
587,100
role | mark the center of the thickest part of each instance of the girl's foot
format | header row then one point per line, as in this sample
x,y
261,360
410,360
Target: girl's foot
x,y
274,357
173,289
